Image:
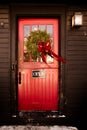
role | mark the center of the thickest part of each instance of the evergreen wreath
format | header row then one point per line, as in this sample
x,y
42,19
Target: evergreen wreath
x,y
32,43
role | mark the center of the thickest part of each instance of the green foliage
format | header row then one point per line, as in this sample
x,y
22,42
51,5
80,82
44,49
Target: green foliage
x,y
32,42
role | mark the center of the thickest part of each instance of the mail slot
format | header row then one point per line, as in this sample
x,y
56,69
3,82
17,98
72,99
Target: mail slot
x,y
38,73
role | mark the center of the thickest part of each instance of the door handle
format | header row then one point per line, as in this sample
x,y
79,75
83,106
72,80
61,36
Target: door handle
x,y
19,77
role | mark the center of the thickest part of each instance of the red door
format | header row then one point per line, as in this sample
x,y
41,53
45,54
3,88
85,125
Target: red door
x,y
37,92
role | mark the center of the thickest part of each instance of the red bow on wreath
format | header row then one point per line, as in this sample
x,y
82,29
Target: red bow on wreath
x,y
46,48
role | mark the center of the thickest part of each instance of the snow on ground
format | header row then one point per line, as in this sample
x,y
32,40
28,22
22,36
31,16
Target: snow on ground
x,y
28,127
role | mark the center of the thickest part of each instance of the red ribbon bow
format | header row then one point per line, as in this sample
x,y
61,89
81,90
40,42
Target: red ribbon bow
x,y
46,48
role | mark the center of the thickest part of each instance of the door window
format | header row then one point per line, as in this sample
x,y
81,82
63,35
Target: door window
x,y
27,30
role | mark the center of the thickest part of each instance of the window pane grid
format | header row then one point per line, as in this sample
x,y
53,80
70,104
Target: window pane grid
x,y
42,27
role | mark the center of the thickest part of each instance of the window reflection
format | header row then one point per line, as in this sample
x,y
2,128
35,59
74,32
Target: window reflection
x,y
49,59
50,29
42,27
26,30
34,27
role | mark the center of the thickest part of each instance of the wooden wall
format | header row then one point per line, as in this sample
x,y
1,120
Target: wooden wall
x,y
76,66
4,62
75,49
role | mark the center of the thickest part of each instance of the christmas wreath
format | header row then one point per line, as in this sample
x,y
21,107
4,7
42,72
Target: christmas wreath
x,y
39,44
32,43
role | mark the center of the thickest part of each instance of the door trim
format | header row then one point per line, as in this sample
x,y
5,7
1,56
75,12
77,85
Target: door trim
x,y
30,10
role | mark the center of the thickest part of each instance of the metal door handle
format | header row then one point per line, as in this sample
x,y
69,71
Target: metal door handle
x,y
19,77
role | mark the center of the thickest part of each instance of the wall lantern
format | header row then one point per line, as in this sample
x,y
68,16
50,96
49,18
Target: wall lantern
x,y
77,19
2,24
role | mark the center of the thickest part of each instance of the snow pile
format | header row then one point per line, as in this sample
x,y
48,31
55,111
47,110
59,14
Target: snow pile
x,y
28,127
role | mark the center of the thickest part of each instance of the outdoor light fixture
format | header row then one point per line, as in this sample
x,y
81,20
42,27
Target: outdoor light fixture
x,y
2,24
77,19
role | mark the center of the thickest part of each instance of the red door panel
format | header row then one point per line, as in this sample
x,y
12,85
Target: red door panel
x,y
37,93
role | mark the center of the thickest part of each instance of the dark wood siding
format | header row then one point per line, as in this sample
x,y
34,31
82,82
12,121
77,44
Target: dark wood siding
x,y
4,62
76,66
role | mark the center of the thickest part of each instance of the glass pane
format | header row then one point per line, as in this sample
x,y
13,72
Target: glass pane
x,y
27,58
42,27
26,30
25,39
26,55
50,29
34,27
52,45
49,59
